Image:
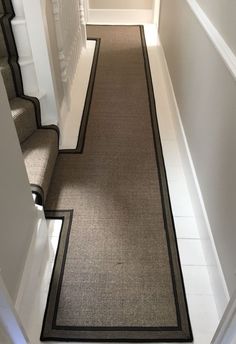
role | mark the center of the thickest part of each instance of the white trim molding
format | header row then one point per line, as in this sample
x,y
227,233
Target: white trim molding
x,y
226,331
70,118
218,41
37,255
120,16
217,279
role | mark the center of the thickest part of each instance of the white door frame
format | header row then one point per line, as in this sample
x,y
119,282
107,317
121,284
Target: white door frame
x,y
156,11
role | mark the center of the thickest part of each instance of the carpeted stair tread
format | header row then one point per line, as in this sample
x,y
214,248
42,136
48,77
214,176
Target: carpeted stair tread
x,y
23,114
40,152
7,78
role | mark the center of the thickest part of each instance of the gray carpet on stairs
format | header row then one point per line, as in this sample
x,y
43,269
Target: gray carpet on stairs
x,y
23,114
122,278
40,153
40,147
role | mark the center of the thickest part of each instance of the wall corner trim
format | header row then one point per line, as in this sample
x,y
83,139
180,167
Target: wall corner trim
x,y
216,38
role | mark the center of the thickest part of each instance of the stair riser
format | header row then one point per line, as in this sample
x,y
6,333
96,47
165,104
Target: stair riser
x,y
24,117
8,81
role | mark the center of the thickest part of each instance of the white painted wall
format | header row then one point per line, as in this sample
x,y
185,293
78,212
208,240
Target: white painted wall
x,y
121,4
205,91
222,13
17,211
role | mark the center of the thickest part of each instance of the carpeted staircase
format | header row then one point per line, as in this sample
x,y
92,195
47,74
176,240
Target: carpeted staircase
x,y
39,144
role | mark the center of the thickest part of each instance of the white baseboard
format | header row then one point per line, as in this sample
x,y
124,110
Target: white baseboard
x,y
218,283
70,118
116,16
32,272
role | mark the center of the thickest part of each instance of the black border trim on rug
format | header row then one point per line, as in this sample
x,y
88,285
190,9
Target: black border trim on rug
x,y
180,333
88,99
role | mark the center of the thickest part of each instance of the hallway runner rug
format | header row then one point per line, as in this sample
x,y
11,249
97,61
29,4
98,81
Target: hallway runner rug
x,y
117,274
